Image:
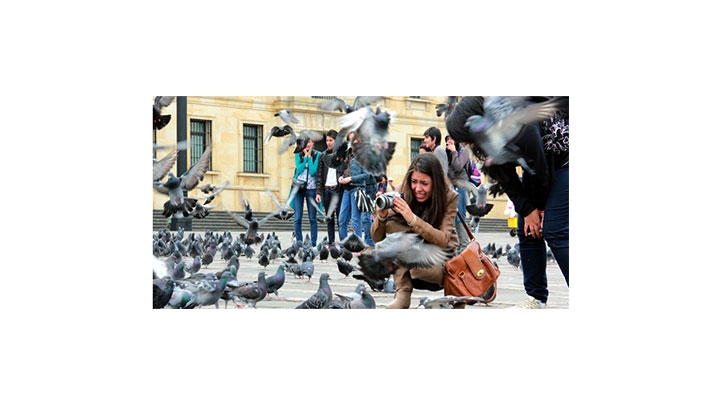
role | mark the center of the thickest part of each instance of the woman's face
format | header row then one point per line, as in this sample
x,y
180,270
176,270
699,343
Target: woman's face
x,y
421,185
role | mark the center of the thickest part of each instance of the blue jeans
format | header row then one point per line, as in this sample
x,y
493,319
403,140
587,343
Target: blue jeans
x,y
344,214
298,203
366,224
327,196
556,231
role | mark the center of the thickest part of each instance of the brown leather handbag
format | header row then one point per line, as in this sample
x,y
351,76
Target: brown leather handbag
x,y
471,273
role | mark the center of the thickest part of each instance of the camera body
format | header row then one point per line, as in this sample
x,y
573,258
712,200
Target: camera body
x,y
385,201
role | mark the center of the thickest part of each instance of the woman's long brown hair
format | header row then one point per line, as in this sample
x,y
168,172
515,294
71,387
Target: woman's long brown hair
x,y
433,210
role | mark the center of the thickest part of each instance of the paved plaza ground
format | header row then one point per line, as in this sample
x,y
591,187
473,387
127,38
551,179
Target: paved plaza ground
x,y
296,290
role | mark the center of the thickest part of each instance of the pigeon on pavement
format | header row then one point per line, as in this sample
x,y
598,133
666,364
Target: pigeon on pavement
x,y
322,297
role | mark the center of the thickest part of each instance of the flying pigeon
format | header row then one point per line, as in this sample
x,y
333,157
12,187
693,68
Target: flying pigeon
x,y
345,267
447,107
287,116
159,120
353,243
336,103
251,236
321,299
163,166
187,181
373,151
503,119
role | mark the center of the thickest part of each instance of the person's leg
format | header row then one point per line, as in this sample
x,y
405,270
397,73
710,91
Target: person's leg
x,y
312,216
556,223
403,289
463,237
344,215
355,215
366,224
327,196
298,202
533,258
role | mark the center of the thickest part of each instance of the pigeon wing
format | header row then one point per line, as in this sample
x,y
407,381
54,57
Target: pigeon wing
x,y
192,177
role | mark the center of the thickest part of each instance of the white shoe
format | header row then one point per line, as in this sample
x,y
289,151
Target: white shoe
x,y
530,303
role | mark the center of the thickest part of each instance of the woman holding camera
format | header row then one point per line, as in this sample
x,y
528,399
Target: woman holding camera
x,y
427,206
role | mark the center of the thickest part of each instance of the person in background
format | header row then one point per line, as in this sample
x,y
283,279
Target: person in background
x,y
356,178
458,162
327,184
390,185
306,163
427,207
432,142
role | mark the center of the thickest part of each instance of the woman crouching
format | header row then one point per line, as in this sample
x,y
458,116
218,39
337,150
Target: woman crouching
x,y
427,207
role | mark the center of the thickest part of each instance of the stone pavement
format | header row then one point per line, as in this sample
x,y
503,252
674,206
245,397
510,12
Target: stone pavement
x,y
296,290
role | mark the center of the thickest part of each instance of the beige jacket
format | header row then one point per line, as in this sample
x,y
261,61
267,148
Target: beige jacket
x,y
445,237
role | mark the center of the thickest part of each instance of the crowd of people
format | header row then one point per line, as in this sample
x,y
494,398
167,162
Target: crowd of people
x,y
430,198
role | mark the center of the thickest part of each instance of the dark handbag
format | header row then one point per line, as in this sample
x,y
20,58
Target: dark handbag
x,y
363,201
471,273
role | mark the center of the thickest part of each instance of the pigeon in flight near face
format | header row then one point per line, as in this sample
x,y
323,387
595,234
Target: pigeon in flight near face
x,y
287,116
160,120
322,298
503,119
447,107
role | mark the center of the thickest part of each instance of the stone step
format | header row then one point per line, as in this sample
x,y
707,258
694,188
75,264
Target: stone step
x,y
220,222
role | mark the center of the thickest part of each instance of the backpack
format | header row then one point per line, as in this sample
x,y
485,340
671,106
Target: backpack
x,y
473,173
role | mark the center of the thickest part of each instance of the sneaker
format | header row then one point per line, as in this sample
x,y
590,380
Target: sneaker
x,y
530,303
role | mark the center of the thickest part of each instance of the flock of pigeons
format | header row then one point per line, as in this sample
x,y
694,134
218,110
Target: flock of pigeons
x,y
180,284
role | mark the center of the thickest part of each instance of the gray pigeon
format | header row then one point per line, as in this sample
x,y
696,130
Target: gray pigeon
x,y
307,268
160,120
410,250
174,186
277,280
210,296
353,243
181,299
373,151
336,103
447,107
163,166
287,116
503,119
322,298
359,299
162,291
252,293
446,302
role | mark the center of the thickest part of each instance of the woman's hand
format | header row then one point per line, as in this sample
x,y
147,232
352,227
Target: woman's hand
x,y
533,224
401,207
317,198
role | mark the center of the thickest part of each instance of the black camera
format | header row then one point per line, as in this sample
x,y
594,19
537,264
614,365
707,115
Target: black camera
x,y
385,201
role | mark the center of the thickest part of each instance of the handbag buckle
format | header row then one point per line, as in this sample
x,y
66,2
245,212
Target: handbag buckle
x,y
480,273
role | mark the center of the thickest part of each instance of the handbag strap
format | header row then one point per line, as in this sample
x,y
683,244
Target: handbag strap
x,y
467,229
